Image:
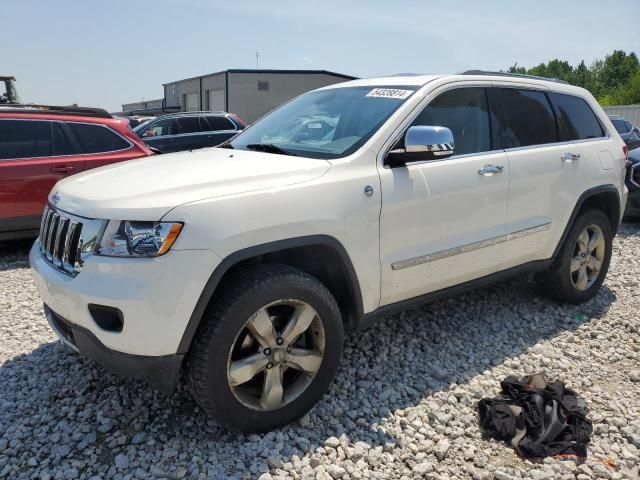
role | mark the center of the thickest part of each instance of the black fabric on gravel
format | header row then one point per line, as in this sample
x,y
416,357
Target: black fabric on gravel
x,y
539,419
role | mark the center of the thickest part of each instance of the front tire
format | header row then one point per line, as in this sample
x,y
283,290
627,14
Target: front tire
x,y
578,271
267,350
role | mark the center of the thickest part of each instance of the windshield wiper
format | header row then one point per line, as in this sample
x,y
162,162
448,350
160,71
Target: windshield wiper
x,y
269,148
225,145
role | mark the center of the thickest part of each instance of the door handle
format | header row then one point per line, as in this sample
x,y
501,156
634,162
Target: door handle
x,y
490,170
570,157
62,169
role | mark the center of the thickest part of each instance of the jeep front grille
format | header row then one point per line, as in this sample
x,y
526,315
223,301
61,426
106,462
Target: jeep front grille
x,y
61,240
67,240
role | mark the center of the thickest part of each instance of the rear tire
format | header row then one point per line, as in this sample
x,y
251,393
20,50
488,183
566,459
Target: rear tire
x,y
267,349
578,271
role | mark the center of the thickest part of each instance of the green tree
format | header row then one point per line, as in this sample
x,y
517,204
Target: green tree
x,y
616,70
612,80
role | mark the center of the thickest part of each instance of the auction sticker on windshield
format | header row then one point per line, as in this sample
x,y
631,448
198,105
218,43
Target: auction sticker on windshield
x,y
389,93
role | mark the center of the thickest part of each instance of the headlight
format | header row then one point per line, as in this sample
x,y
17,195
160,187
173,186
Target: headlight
x,y
138,239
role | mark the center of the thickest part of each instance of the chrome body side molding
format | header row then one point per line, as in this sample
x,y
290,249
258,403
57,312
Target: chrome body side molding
x,y
450,252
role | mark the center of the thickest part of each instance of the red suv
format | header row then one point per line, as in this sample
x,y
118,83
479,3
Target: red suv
x,y
41,145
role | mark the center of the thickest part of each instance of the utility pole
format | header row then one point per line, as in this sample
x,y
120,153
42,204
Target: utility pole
x,y
257,64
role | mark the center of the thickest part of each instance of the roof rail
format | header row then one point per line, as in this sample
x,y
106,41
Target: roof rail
x,y
509,74
60,110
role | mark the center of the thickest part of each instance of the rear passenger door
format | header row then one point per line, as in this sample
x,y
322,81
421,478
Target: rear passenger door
x,y
34,155
192,133
100,144
548,173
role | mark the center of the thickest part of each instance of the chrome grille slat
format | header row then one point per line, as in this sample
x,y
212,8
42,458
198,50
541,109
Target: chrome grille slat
x,y
45,231
43,221
62,230
48,240
71,230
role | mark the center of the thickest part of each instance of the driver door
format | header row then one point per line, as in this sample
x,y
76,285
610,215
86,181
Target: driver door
x,y
443,221
161,134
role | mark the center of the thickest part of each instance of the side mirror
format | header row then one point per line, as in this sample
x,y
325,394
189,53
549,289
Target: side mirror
x,y
423,143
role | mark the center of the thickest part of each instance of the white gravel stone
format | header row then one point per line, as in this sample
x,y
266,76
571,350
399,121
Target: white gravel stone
x,y
403,404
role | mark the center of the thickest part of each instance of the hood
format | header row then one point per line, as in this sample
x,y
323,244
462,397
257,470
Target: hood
x,y
147,188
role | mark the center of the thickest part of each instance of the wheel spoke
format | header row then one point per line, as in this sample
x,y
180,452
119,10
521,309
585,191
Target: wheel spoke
x,y
272,391
596,242
241,371
583,278
594,264
300,321
576,262
305,360
583,241
261,327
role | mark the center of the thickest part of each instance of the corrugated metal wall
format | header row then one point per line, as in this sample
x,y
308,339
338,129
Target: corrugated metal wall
x,y
176,92
630,112
252,95
212,83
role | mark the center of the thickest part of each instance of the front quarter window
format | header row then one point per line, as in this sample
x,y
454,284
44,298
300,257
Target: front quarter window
x,y
325,124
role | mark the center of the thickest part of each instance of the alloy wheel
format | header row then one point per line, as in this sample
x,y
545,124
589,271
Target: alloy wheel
x,y
588,256
276,355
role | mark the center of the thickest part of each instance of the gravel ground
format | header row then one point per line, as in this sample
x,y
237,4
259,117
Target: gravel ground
x,y
402,406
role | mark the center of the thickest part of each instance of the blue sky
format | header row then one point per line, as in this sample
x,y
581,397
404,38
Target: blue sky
x,y
104,53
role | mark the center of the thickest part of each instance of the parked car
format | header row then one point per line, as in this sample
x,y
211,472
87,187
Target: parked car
x,y
135,120
632,179
189,130
41,145
243,265
629,132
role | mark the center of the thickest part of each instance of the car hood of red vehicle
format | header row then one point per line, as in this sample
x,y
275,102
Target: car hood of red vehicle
x,y
147,188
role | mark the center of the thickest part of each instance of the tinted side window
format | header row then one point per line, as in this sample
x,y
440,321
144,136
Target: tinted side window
x,y
528,119
465,112
575,117
24,139
96,138
220,123
191,125
60,143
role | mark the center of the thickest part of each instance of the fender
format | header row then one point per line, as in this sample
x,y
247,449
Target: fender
x,y
583,198
257,250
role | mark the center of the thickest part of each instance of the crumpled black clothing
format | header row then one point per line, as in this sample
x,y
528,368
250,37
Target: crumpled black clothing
x,y
538,418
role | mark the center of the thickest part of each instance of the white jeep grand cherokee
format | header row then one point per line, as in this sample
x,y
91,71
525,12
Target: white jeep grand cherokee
x,y
242,265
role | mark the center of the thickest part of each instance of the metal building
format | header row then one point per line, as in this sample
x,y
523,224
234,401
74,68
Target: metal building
x,y
248,93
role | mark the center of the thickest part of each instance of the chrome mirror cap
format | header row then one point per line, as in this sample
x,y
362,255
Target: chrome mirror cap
x,y
436,141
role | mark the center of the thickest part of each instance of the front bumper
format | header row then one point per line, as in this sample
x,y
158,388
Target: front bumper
x,y
161,372
156,297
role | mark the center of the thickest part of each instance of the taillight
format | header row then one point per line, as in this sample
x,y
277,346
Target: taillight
x,y
625,150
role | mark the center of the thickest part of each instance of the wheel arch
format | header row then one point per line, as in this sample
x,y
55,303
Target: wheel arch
x,y
603,197
322,256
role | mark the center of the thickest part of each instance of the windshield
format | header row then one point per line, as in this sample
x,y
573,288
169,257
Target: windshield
x,y
324,124
139,129
620,125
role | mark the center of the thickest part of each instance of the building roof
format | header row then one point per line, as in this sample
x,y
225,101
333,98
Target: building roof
x,y
259,71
